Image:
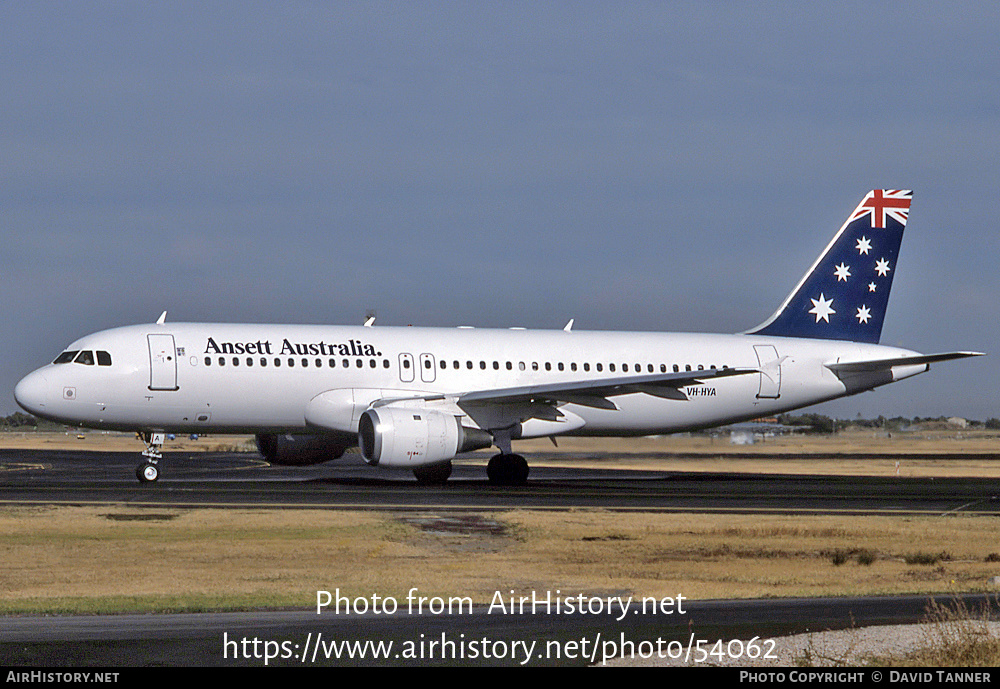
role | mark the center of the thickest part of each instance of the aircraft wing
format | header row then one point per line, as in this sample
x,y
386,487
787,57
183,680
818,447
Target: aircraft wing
x,y
886,364
595,393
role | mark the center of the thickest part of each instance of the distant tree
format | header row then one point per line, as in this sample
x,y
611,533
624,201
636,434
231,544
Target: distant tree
x,y
992,424
18,420
810,423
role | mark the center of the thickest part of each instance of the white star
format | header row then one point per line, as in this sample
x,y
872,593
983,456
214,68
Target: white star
x,y
864,244
871,286
821,308
882,267
863,314
842,272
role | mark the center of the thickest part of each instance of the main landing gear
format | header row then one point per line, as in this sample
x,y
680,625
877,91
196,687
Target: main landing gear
x,y
149,471
507,469
433,475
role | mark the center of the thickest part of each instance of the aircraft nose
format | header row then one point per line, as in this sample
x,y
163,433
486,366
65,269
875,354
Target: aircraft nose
x,y
32,392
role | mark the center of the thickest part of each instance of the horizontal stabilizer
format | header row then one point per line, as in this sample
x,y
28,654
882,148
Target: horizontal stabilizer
x,y
885,364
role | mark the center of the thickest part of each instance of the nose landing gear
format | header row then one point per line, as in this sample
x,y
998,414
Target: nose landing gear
x,y
149,471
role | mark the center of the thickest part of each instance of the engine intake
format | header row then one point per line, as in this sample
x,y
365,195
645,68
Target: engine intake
x,y
412,437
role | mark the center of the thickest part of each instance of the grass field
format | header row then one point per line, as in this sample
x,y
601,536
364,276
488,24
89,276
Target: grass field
x,y
122,558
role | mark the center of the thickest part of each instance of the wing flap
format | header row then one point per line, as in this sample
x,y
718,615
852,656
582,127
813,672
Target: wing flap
x,y
591,392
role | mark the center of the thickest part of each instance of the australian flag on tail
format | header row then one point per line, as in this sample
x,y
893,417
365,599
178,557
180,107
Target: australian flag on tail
x,y
845,293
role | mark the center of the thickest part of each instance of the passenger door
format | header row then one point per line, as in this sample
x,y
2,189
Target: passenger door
x,y
162,362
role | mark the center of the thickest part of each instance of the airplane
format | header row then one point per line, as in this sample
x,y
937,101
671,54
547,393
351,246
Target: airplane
x,y
414,398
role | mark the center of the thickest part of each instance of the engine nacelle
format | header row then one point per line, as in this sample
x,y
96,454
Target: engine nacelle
x,y
300,450
414,436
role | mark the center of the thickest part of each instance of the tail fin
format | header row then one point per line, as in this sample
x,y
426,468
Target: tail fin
x,y
845,293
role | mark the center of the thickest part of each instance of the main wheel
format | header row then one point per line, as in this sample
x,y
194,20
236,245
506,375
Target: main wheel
x,y
147,472
433,474
507,470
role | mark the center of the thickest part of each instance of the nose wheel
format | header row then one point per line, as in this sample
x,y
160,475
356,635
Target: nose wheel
x,y
148,471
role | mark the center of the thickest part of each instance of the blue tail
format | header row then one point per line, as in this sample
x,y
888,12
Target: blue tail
x,y
845,293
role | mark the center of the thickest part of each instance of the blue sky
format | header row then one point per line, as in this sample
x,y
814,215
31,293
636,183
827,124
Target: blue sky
x,y
639,166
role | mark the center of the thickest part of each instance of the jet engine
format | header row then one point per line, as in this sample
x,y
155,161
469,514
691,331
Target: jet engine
x,y
300,450
409,437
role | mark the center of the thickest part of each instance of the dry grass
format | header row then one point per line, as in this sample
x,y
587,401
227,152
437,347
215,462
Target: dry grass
x,y
950,635
955,637
124,558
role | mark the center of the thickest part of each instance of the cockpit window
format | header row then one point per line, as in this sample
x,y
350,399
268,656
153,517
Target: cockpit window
x,y
66,357
85,357
103,359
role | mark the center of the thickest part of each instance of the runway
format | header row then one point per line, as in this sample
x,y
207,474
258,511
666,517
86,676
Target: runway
x,y
243,479
537,637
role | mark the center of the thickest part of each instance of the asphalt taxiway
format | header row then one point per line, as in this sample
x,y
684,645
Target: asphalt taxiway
x,y
538,638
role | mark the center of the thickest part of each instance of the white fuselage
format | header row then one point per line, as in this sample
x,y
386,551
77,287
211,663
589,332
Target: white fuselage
x,y
234,378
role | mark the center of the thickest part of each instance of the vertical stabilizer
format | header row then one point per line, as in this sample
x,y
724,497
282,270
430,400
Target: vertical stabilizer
x,y
845,293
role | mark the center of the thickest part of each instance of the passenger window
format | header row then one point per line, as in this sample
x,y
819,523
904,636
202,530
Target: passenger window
x,y
103,359
222,361
600,367
236,361
208,361
263,361
86,357
66,357
277,362
249,361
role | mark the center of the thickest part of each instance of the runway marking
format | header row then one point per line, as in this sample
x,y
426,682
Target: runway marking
x,y
23,466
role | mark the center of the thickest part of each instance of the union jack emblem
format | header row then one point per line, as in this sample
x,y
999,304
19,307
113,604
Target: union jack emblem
x,y
882,203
